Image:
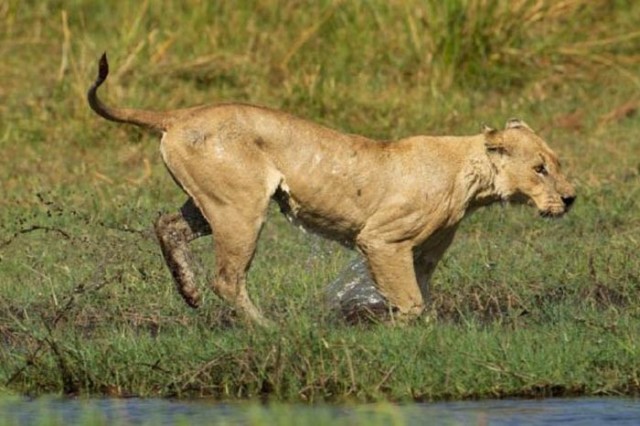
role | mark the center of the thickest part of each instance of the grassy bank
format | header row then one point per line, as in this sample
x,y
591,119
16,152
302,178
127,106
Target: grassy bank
x,y
520,305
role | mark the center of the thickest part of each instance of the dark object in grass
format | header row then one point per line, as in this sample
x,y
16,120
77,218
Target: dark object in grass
x,y
353,295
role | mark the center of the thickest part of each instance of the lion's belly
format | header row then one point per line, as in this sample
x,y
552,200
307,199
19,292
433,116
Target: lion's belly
x,y
328,218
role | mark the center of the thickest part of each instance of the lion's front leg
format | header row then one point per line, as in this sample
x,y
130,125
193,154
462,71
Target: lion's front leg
x,y
392,269
426,258
174,232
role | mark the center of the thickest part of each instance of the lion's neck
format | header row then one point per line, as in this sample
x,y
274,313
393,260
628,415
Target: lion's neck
x,y
478,177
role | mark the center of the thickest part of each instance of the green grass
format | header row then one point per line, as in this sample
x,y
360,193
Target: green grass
x,y
520,305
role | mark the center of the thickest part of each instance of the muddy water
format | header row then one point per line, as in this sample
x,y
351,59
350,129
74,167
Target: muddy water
x,y
580,411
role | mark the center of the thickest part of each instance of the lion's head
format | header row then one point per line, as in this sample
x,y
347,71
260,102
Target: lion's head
x,y
527,170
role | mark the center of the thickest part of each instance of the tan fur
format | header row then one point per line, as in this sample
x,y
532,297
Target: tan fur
x,y
399,203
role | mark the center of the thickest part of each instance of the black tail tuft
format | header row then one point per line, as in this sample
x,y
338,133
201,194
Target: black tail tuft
x,y
150,119
103,69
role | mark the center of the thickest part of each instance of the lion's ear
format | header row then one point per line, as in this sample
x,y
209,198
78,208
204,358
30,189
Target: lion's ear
x,y
516,123
488,130
492,140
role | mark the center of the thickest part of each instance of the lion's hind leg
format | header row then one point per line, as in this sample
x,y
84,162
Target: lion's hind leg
x,y
174,232
235,234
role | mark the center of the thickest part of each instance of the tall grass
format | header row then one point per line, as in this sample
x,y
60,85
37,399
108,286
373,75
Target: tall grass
x,y
520,306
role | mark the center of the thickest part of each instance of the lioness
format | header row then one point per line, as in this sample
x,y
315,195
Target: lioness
x,y
399,203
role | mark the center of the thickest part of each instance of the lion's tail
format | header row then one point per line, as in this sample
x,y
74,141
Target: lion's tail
x,y
155,120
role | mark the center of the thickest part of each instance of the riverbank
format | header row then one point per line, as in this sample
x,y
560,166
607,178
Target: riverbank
x,y
314,363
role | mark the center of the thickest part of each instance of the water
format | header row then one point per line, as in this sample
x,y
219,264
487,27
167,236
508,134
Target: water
x,y
579,411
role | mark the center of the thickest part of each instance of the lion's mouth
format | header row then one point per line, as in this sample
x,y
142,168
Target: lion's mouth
x,y
552,214
558,209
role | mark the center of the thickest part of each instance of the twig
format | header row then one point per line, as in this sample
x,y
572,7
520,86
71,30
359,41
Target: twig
x,y
128,62
308,34
66,47
352,375
143,232
32,229
607,41
385,378
68,385
182,381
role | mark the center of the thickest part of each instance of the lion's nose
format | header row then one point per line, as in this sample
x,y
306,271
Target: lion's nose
x,y
568,200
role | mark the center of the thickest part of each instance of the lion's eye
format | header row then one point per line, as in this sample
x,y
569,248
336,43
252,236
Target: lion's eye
x,y
541,169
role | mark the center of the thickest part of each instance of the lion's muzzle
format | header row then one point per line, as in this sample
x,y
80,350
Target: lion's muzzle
x,y
568,201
